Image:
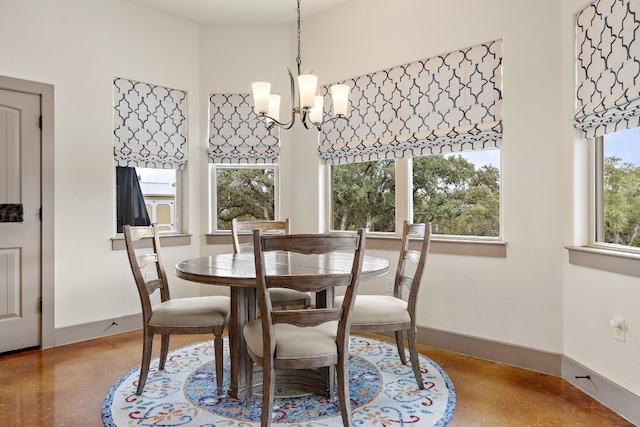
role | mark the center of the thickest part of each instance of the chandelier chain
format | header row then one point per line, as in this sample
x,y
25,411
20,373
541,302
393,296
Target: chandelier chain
x,y
298,59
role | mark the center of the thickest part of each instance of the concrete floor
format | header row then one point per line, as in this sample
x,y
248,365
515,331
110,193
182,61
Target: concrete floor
x,y
66,385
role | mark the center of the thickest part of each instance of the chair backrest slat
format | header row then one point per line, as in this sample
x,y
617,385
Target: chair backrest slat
x,y
314,317
146,259
314,283
267,226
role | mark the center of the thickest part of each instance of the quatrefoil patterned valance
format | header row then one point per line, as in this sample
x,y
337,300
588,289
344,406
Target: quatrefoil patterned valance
x,y
149,125
448,103
237,135
608,67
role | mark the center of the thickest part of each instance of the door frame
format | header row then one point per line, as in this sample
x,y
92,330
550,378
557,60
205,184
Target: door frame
x,y
46,92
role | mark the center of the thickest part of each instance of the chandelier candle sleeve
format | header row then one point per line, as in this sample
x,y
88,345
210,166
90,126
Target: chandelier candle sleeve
x,y
315,115
261,97
307,86
340,96
274,108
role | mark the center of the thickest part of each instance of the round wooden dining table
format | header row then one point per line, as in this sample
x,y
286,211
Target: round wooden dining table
x,y
238,272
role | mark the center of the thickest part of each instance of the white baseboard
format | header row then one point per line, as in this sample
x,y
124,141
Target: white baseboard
x,y
601,389
614,397
522,357
102,328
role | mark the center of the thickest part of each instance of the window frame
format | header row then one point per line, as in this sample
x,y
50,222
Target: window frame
x,y
597,204
213,196
178,210
602,256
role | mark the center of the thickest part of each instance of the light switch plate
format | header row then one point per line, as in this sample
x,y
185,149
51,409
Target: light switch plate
x,y
618,332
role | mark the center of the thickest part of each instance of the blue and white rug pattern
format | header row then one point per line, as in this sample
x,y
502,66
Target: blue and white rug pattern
x,y
383,393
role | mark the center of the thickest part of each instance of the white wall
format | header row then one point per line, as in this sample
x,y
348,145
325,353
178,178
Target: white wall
x,y
79,46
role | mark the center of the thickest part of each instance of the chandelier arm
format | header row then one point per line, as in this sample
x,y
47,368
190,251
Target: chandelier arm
x,y
273,122
292,118
318,126
289,124
308,124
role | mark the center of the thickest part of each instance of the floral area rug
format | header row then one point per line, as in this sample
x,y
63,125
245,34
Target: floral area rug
x,y
383,394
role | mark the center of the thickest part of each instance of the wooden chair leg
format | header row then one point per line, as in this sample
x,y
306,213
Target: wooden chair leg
x,y
248,379
147,343
415,359
268,392
400,345
164,350
217,349
342,370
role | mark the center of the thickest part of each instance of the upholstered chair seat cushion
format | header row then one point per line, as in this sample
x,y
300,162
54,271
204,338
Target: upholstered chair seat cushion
x,y
295,342
200,311
284,294
374,309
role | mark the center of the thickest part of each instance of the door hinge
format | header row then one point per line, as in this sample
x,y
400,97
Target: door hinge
x,y
40,305
40,122
40,214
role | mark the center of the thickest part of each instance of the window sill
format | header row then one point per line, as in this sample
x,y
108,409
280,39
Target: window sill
x,y
449,246
614,261
486,248
169,239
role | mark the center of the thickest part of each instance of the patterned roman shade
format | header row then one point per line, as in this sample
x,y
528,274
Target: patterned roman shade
x,y
608,67
447,103
237,135
149,125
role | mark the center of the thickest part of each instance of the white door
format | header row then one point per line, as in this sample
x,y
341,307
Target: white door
x,y
20,242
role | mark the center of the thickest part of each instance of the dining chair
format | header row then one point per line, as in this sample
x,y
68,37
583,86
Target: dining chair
x,y
196,315
391,313
302,338
279,297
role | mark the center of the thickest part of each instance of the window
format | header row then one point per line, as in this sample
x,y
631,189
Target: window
x,y
147,195
617,189
150,148
458,193
244,192
418,113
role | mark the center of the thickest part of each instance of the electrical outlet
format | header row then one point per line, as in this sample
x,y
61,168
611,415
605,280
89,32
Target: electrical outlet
x,y
617,324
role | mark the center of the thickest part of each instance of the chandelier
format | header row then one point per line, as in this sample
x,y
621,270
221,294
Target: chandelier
x,y
309,106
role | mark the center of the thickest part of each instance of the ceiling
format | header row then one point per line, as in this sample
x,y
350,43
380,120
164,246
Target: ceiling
x,y
240,11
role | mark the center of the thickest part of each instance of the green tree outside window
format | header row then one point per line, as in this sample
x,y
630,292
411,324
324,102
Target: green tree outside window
x,y
247,194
